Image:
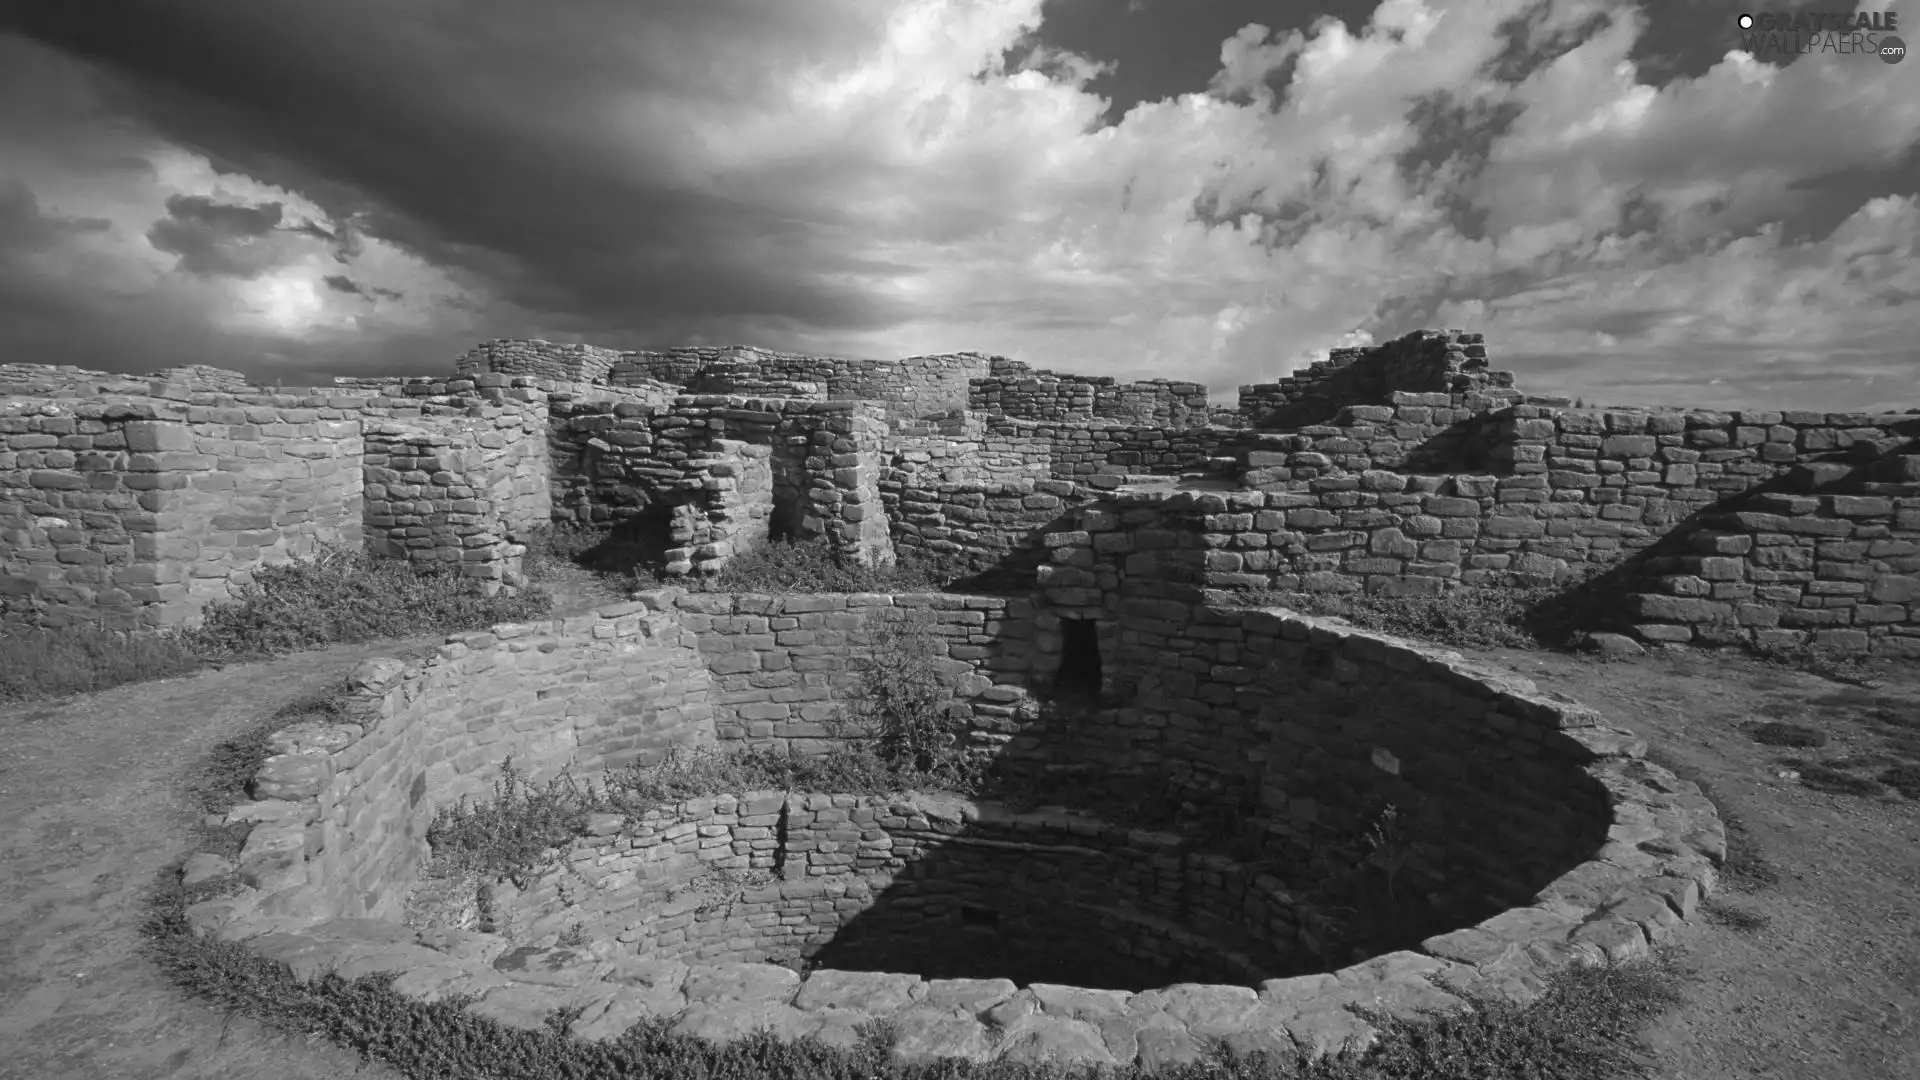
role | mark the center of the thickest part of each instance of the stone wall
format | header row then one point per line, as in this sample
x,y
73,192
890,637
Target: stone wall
x,y
1441,476
1566,492
990,530
560,362
731,473
344,807
867,882
336,836
211,484
909,387
1013,389
1839,572
964,448
1425,361
133,514
459,491
67,381
784,666
1326,726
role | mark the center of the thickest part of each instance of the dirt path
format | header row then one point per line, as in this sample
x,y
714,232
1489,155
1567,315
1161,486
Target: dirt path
x,y
91,809
1830,986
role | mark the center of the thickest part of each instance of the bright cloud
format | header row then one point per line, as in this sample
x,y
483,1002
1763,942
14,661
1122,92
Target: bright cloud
x,y
882,179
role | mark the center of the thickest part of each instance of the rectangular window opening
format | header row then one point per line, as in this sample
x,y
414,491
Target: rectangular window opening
x,y
979,918
1080,672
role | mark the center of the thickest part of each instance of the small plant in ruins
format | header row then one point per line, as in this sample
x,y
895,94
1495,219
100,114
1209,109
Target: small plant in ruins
x,y
1389,849
902,704
508,836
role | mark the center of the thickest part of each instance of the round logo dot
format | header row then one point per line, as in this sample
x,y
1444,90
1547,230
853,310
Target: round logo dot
x,y
1892,50
1746,22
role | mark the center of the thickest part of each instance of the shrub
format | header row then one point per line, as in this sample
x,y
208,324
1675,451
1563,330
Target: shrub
x,y
1904,779
55,662
902,704
344,594
794,566
1777,733
895,734
1831,780
510,835
339,595
779,566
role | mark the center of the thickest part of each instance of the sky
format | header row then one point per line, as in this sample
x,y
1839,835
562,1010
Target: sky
x,y
1636,205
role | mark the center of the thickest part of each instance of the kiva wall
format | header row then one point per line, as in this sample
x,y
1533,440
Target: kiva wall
x,y
303,869
857,881
1326,725
343,808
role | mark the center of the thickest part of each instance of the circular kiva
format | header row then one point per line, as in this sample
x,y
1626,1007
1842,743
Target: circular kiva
x,y
1539,837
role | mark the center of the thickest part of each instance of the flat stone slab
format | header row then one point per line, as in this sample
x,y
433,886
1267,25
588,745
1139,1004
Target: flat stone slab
x,y
970,995
723,1022
526,1006
550,967
835,1027
874,993
929,1034
749,984
1039,1038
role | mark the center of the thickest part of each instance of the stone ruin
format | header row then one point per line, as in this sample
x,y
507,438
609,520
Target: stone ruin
x,y
1108,526
1405,468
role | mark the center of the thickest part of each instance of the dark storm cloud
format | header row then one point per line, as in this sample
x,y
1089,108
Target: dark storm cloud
x,y
24,227
218,238
341,283
345,238
483,142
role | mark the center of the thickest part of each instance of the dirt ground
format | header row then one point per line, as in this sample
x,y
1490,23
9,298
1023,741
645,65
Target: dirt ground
x,y
91,809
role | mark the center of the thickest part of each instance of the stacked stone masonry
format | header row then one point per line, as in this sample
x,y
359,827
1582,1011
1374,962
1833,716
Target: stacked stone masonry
x,y
1426,361
1409,467
337,827
1013,389
850,880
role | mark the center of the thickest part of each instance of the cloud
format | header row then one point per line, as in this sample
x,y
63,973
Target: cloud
x,y
882,178
24,228
343,284
213,238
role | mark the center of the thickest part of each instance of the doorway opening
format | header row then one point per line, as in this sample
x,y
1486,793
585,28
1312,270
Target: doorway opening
x,y
1079,658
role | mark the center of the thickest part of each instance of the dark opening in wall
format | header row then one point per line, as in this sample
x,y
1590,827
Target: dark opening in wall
x,y
783,525
790,491
639,540
979,918
1079,658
